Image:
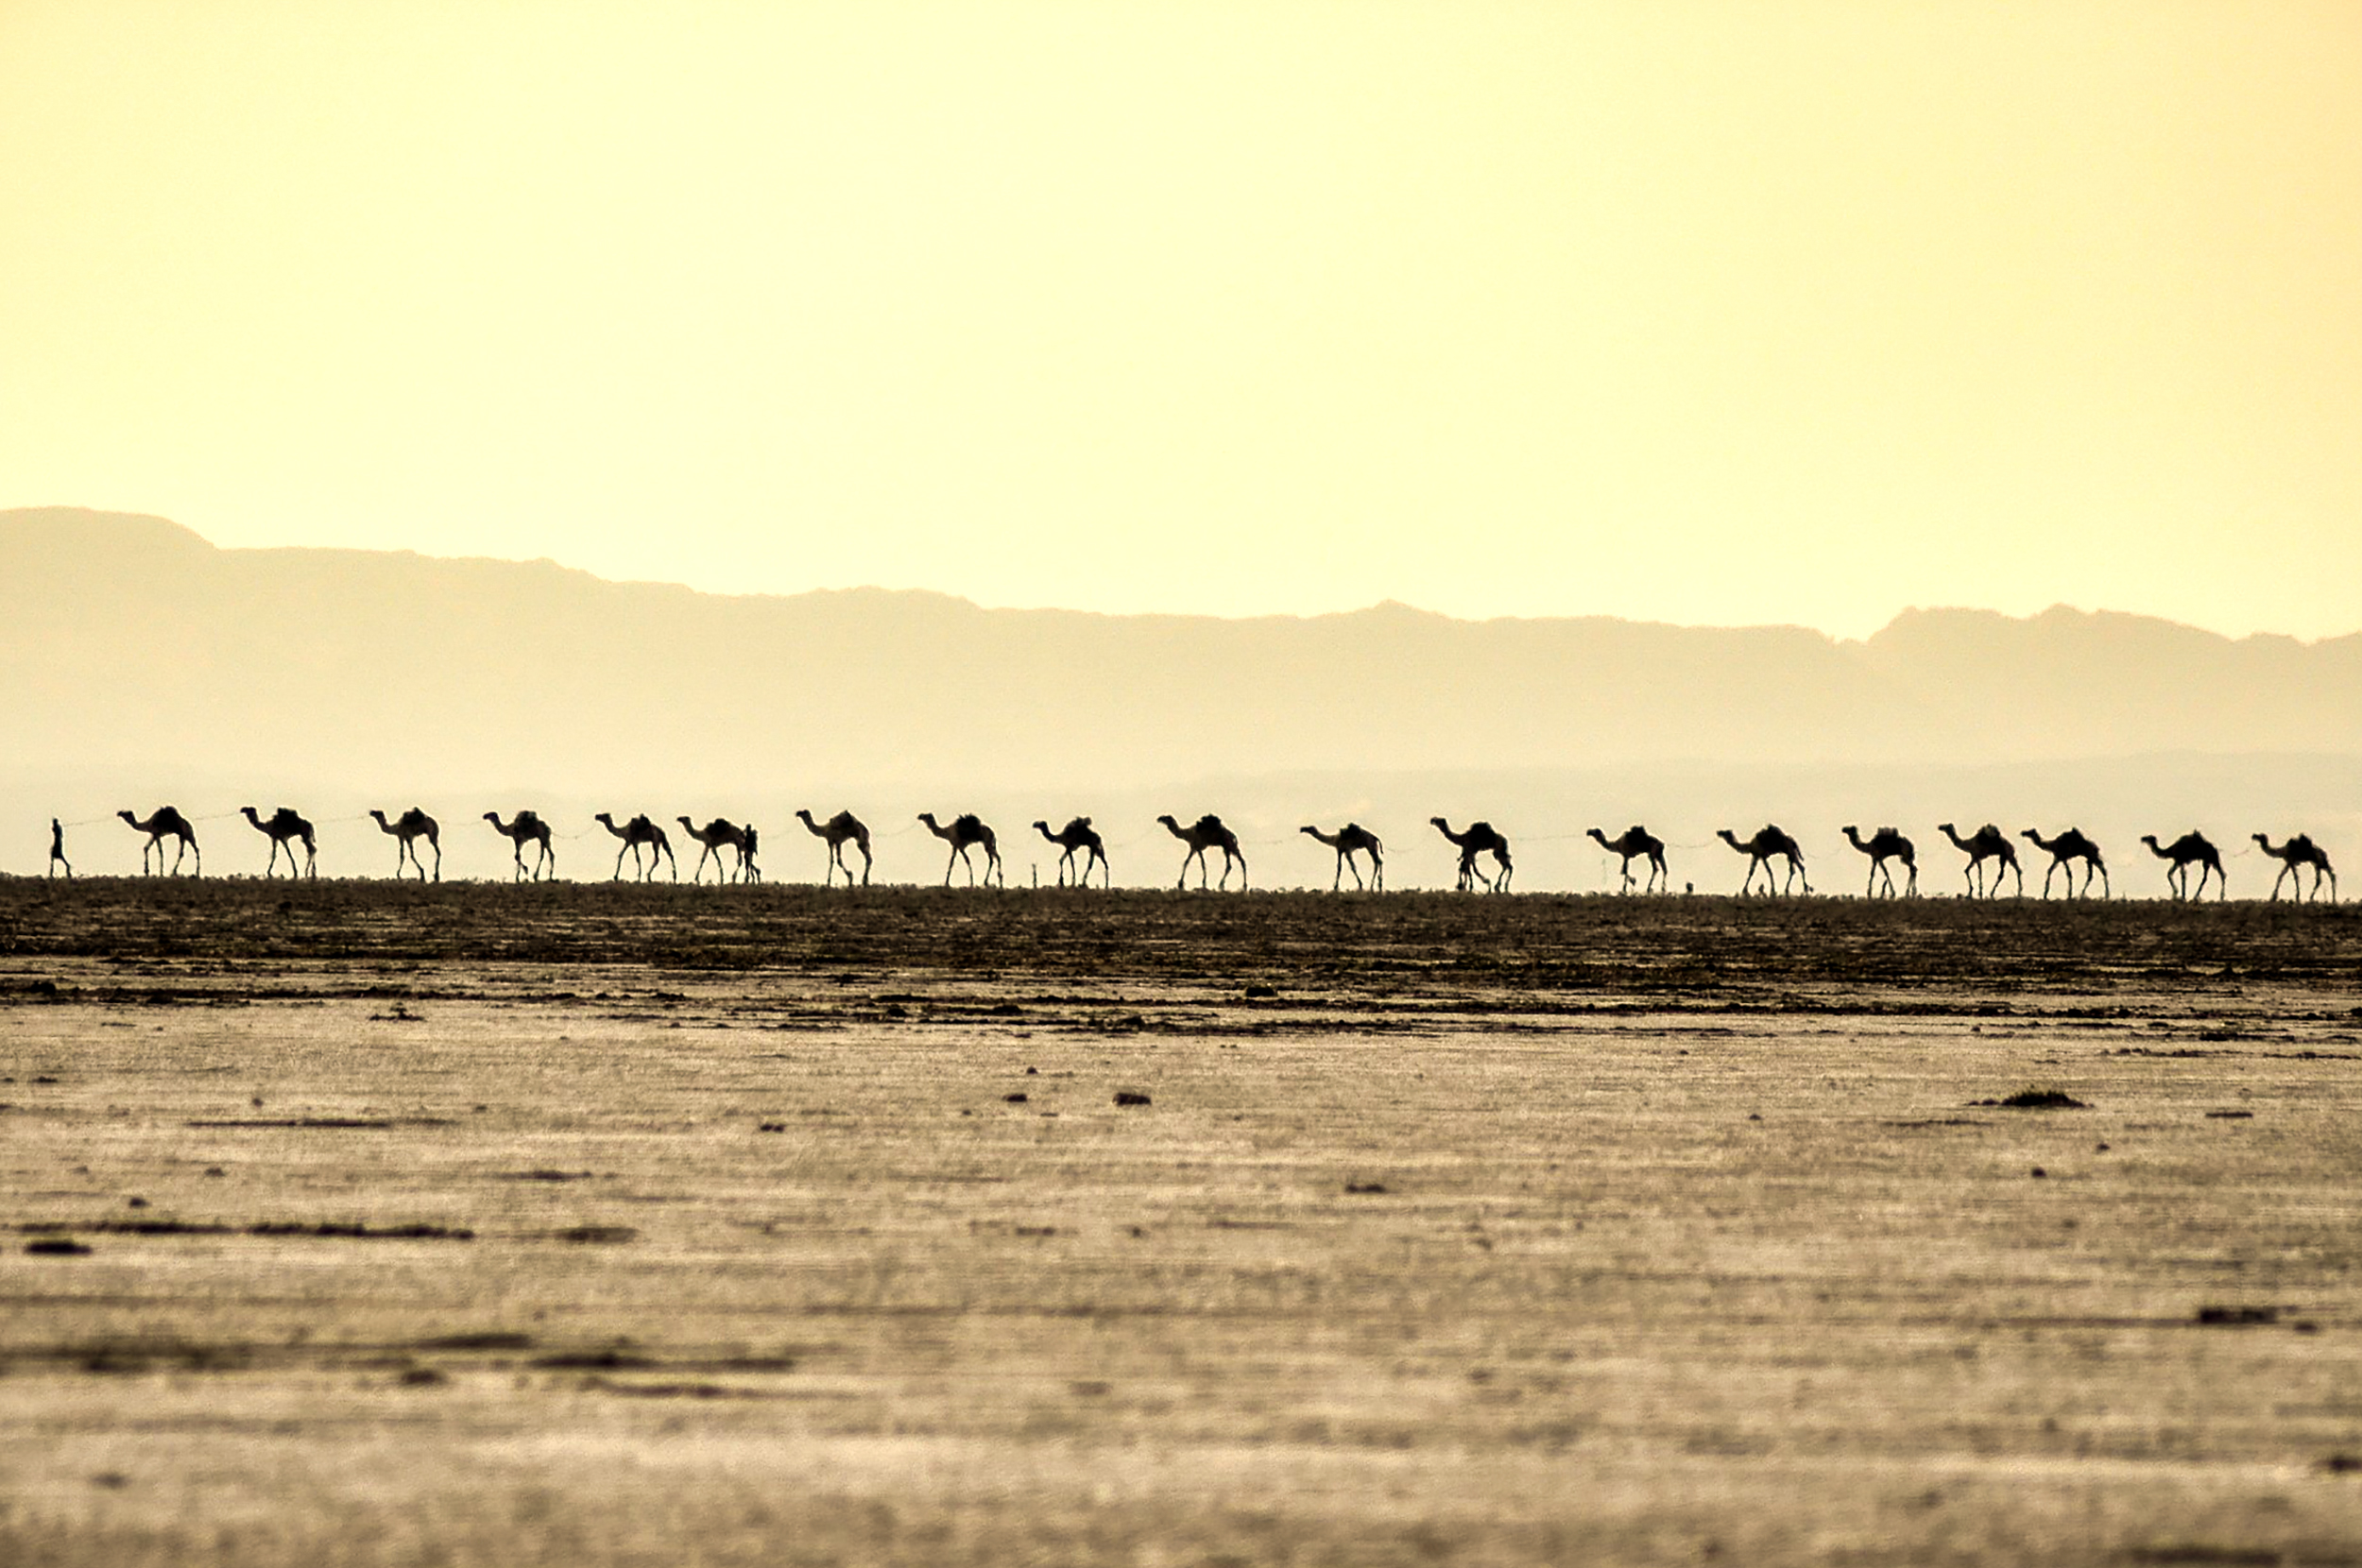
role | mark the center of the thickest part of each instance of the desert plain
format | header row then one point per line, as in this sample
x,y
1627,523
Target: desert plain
x,y
360,1222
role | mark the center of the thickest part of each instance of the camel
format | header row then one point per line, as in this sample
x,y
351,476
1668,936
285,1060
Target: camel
x,y
2190,849
1633,843
1351,840
1078,835
57,849
1769,843
2066,849
1988,844
838,830
1481,838
526,825
1884,846
715,837
167,821
965,830
283,828
635,833
1205,833
2300,851
412,825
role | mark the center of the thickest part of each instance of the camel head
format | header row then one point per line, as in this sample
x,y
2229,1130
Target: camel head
x,y
929,818
247,812
1167,820
603,817
803,814
1595,833
379,815
492,817
2262,841
1728,837
129,817
1442,826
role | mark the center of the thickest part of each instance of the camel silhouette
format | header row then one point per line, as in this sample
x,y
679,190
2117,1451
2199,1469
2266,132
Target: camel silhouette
x,y
838,829
57,849
1632,844
965,830
1988,844
1205,833
715,837
1481,838
1884,846
1769,843
1351,840
1078,835
414,825
166,820
2298,852
527,826
640,831
2190,849
2064,850
284,830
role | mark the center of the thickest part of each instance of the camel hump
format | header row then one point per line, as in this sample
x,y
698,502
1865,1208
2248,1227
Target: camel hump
x,y
968,820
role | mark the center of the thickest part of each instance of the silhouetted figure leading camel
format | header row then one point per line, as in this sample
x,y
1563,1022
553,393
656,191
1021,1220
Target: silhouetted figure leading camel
x,y
57,849
748,870
637,833
2298,852
967,829
715,837
2190,849
1635,842
1481,838
527,828
1078,835
1351,840
1884,846
414,825
166,820
2064,850
839,831
1205,833
1988,844
1769,843
284,830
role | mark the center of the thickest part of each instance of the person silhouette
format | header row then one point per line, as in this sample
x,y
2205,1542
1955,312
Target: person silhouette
x,y
748,870
57,849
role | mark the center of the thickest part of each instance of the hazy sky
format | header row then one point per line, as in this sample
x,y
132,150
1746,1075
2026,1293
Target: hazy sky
x,y
1702,313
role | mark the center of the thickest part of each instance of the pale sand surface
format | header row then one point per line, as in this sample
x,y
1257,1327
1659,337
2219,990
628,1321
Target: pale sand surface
x,y
1692,1245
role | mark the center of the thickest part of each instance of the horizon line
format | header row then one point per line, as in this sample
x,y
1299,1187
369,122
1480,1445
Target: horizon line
x,y
2057,608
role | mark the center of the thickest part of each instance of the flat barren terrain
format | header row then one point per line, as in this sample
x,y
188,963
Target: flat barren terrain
x,y
478,1224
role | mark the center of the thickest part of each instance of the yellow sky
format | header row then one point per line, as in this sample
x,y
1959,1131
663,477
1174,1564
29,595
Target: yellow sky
x,y
1702,313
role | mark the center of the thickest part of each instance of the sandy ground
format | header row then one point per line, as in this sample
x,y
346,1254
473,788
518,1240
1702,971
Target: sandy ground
x,y
587,1224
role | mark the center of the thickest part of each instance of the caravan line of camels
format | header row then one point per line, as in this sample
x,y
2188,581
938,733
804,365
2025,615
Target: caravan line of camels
x,y
730,849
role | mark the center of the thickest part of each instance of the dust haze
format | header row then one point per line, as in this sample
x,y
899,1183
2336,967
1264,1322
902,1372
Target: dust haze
x,y
140,664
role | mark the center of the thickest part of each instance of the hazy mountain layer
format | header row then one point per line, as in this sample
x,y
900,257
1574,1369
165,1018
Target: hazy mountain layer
x,y
127,641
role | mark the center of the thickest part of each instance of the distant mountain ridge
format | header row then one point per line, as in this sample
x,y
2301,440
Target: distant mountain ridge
x,y
125,639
